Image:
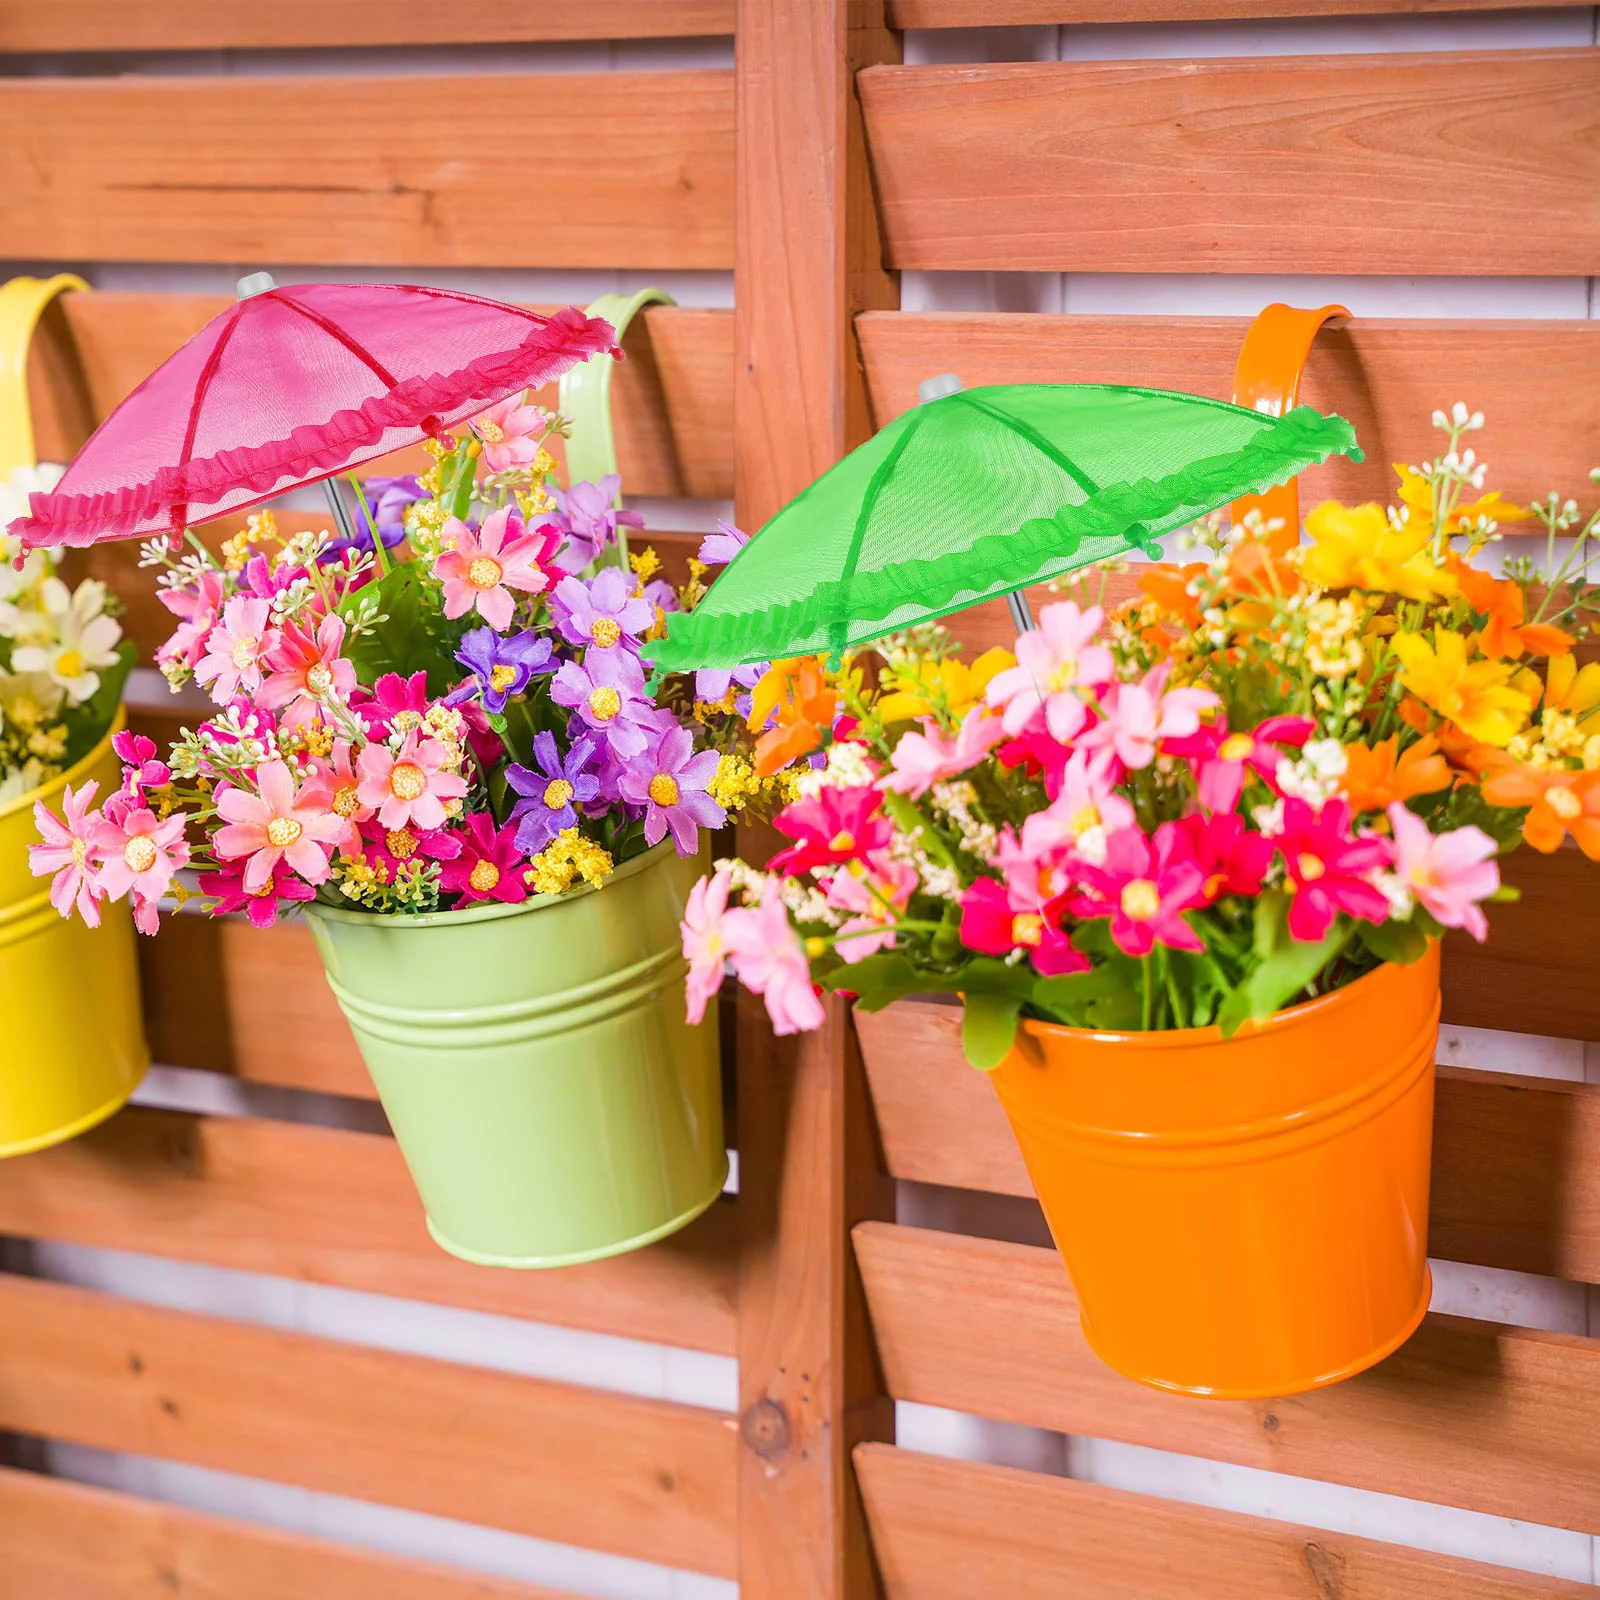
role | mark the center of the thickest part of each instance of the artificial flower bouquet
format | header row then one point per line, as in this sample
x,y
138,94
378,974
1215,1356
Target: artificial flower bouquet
x,y
446,710
435,740
1250,784
63,660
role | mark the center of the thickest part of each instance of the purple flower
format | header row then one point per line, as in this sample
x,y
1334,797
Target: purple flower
x,y
589,520
713,683
551,794
719,548
670,780
500,666
602,612
381,509
607,693
662,595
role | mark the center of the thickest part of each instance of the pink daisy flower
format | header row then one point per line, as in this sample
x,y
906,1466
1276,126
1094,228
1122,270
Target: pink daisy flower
x,y
877,897
510,432
1054,663
408,788
924,756
1139,716
1145,886
1449,873
65,853
137,854
704,946
237,648
771,962
281,823
479,570
306,669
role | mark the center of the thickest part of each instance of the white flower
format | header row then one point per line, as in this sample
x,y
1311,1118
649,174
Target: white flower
x,y
849,767
82,638
1315,775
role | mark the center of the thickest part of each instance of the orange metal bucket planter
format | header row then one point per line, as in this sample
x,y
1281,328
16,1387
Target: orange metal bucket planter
x,y
1241,1218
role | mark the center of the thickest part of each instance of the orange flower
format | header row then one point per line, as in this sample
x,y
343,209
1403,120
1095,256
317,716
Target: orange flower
x,y
1562,803
1461,751
1506,633
1375,775
805,704
1254,570
1169,588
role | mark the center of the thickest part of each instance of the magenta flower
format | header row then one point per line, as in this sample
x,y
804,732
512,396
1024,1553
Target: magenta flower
x,y
1220,759
996,920
306,669
138,855
1054,662
237,648
1041,756
1449,873
490,866
1136,717
511,433
604,612
1328,870
703,942
1233,859
140,768
1145,886
480,569
283,822
924,756
829,828
770,962
395,705
65,853
390,848
408,788
197,607
607,691
228,890
669,779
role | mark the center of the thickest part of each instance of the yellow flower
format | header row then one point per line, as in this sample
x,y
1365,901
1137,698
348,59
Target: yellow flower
x,y
1571,689
1478,698
962,687
1417,496
1353,547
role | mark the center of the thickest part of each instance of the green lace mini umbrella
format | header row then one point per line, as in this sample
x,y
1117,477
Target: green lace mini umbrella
x,y
978,493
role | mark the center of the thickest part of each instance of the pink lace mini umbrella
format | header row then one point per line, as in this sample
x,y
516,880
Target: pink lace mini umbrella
x,y
293,384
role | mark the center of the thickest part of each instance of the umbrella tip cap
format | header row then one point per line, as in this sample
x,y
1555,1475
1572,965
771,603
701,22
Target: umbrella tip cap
x,y
253,283
947,383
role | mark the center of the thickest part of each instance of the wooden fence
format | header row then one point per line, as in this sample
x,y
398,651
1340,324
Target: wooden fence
x,y
818,170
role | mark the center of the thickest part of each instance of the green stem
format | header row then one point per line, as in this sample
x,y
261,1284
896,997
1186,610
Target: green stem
x,y
1147,998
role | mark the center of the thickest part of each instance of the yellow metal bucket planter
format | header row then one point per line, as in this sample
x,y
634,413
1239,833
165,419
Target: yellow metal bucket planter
x,y
72,1043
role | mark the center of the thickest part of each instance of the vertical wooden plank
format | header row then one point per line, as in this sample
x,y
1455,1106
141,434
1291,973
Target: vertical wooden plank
x,y
807,259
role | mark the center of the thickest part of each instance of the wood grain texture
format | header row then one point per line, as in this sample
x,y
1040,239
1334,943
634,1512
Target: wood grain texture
x,y
672,399
296,24
1516,1161
644,1478
1303,164
67,1541
1472,1414
1387,376
321,1205
362,169
948,1530
1021,13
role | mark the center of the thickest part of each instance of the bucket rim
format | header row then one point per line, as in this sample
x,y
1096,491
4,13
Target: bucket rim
x,y
495,910
74,774
1211,1034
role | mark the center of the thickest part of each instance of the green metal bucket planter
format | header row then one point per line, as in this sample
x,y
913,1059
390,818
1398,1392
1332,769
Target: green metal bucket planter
x,y
551,1101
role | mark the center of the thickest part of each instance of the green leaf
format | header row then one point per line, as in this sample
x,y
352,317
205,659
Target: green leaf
x,y
1402,942
878,980
985,975
1278,979
989,1029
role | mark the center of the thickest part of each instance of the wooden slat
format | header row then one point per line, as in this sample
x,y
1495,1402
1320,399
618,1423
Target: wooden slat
x,y
296,24
362,169
645,1478
1532,381
67,1541
1020,13
319,1205
1472,1414
1516,1165
1303,164
947,1530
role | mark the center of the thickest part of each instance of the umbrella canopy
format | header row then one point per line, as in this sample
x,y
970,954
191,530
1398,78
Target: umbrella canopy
x,y
978,493
292,385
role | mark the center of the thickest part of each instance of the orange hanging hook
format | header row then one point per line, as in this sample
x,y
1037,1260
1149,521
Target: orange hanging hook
x,y
1267,379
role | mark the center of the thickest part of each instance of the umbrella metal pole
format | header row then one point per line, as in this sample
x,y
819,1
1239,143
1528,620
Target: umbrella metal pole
x,y
1021,616
341,512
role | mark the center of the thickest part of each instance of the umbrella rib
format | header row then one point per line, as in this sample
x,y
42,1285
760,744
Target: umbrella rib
x,y
1034,437
360,352
202,384
868,501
